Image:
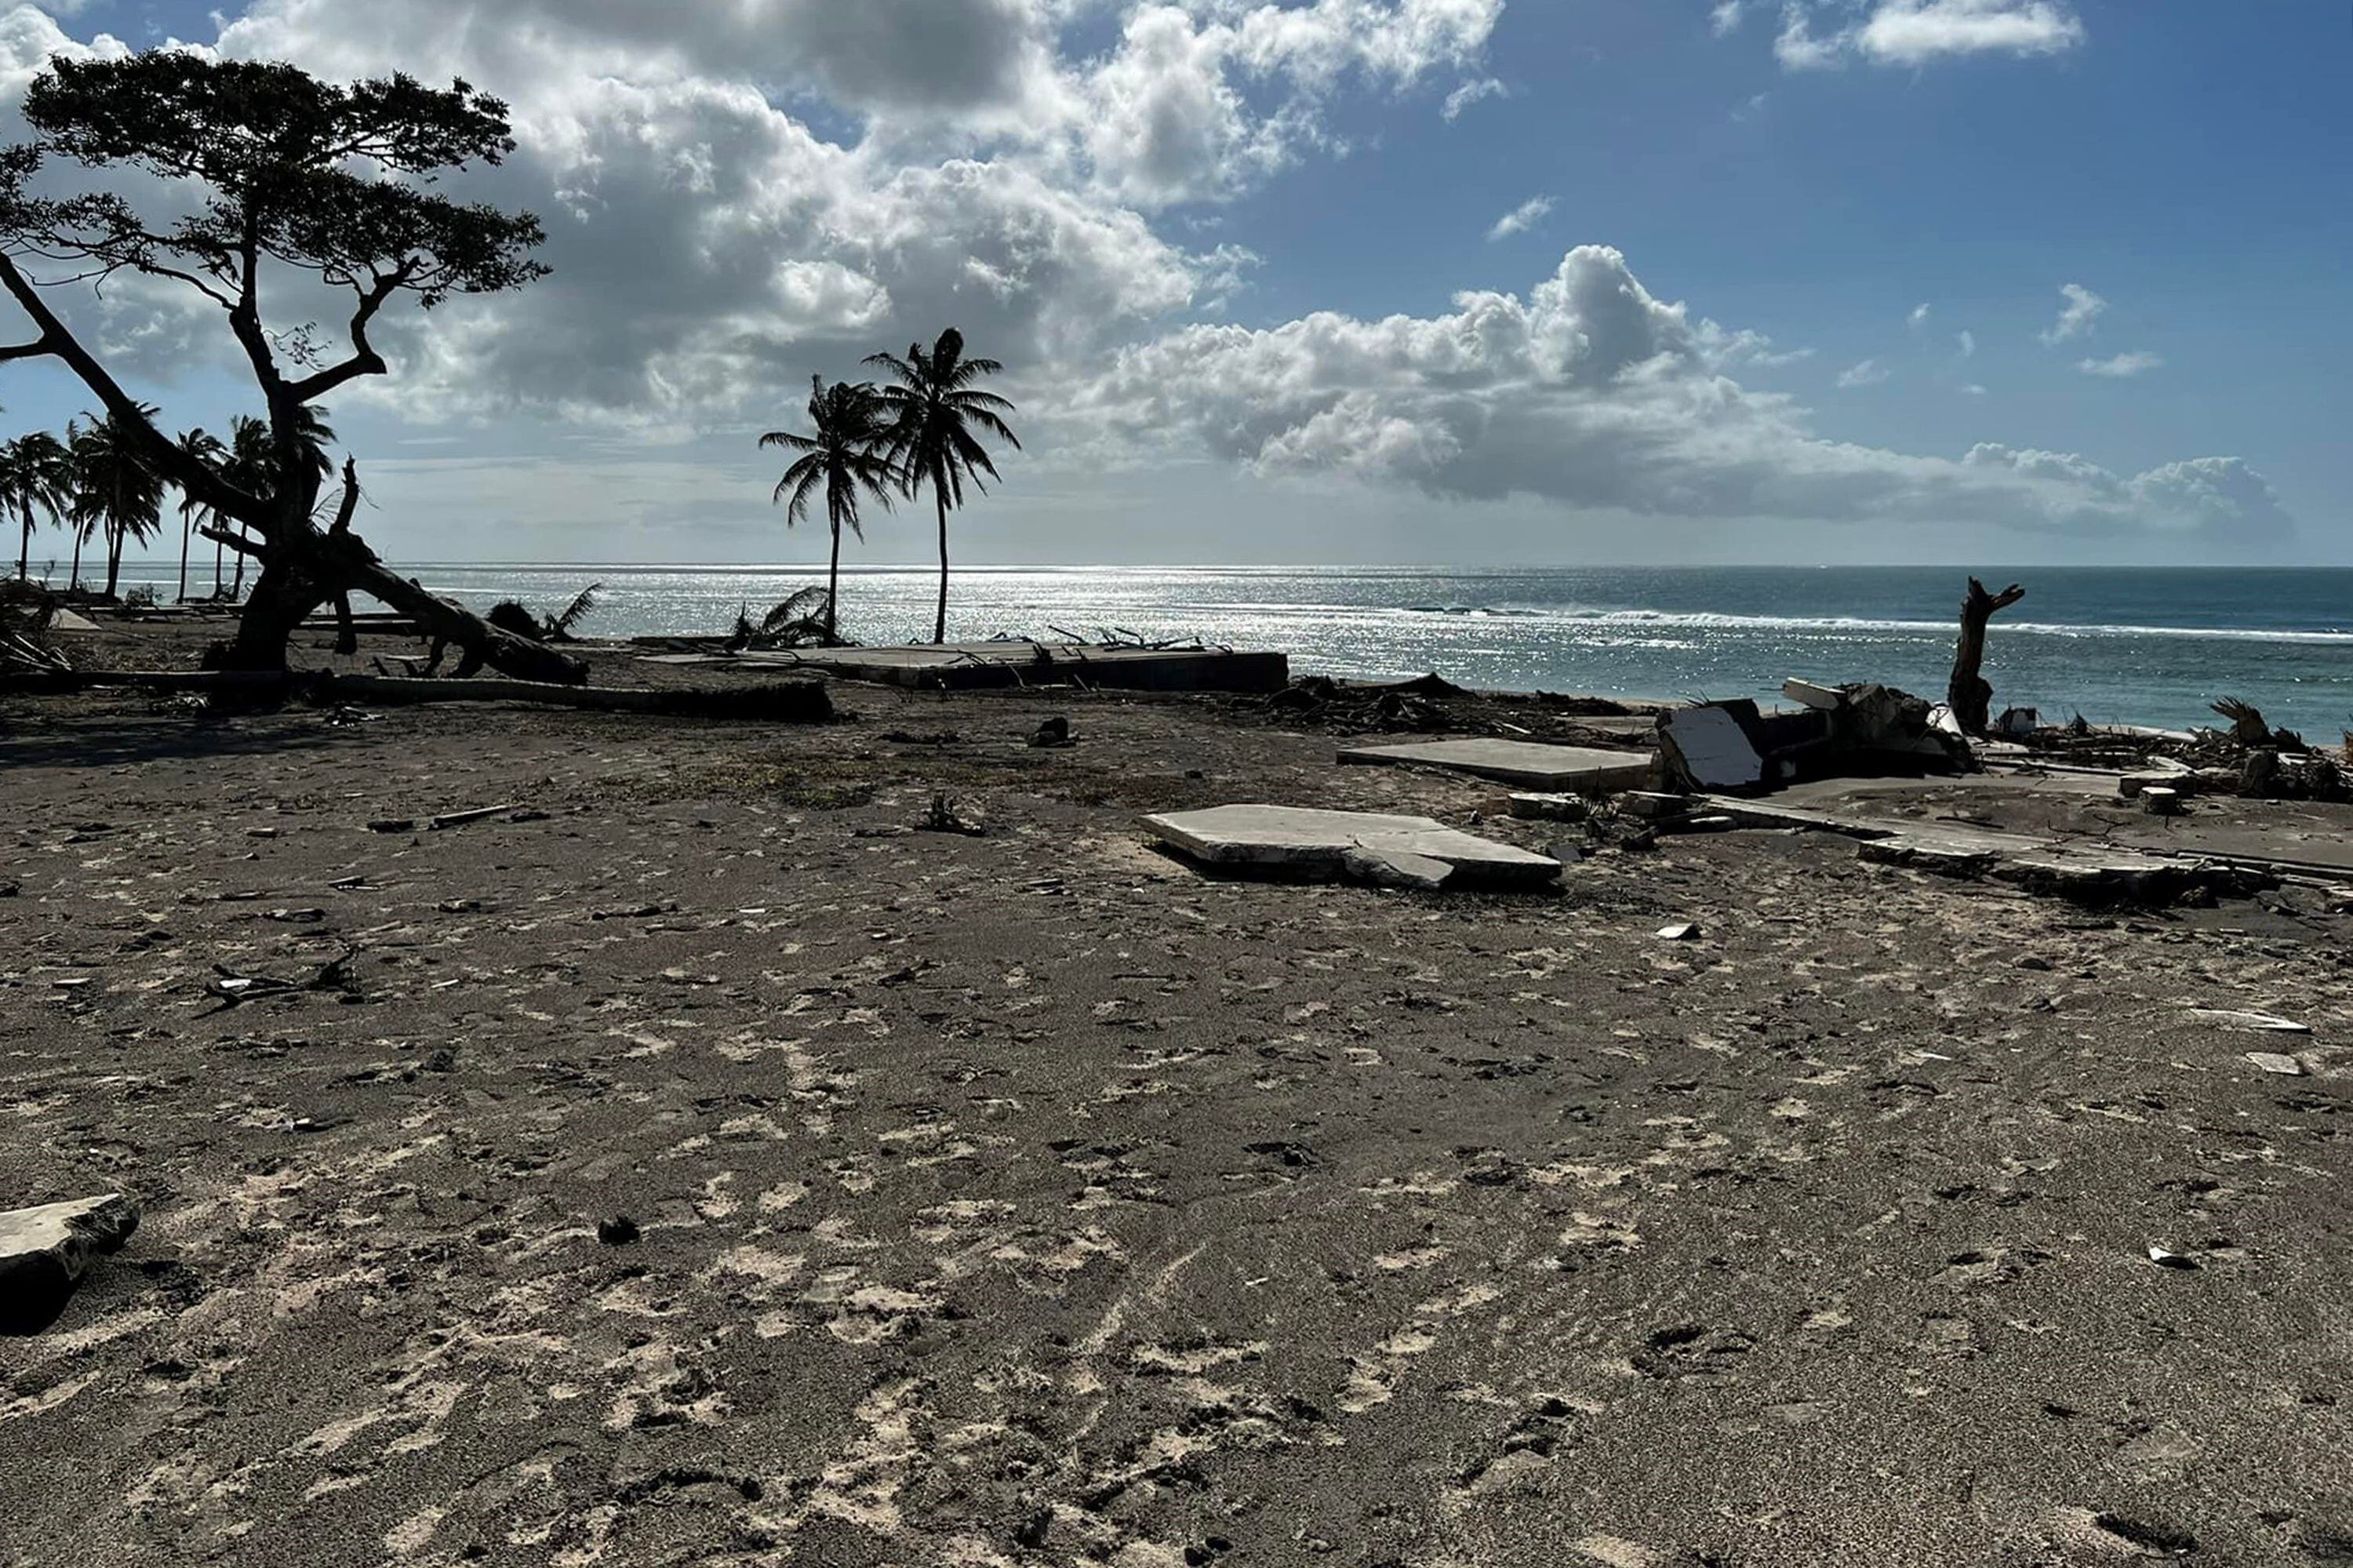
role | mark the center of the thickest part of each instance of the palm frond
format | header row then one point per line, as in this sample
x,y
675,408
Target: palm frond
x,y
578,611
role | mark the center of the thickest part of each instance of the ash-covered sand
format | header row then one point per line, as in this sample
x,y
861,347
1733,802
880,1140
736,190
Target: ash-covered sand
x,y
1027,1199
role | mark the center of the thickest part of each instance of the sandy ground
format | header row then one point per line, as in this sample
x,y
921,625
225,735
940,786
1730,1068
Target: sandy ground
x,y
1026,1199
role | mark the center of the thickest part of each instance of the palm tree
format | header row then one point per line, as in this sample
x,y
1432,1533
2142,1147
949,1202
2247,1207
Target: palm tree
x,y
115,491
253,467
931,412
844,456
202,448
35,471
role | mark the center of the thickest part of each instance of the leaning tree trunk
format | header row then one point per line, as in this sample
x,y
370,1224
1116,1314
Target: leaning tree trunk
x,y
187,531
114,541
73,573
314,567
940,620
24,547
1971,694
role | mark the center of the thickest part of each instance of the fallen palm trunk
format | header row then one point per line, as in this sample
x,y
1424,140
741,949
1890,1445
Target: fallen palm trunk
x,y
782,702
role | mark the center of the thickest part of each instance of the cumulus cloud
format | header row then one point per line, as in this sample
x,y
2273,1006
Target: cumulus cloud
x,y
1521,218
1920,32
2139,362
709,242
1591,392
1919,316
2076,316
1965,342
1865,373
1725,18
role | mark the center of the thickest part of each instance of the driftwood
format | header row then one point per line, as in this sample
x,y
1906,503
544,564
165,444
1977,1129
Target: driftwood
x,y
780,701
1971,694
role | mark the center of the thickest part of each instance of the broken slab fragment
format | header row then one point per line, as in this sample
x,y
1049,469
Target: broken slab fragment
x,y
1532,765
1812,695
45,1251
1707,749
1302,840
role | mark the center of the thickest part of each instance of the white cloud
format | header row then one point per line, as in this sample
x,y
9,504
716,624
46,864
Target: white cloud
x,y
2075,317
1922,32
1592,393
1966,342
1919,316
1865,373
2139,362
1521,218
1725,18
1471,92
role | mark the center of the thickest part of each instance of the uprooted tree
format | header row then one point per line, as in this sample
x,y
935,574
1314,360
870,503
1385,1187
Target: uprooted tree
x,y
298,184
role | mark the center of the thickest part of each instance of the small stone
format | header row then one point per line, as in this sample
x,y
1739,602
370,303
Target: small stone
x,y
619,1231
1680,931
2173,1260
1054,731
2273,1062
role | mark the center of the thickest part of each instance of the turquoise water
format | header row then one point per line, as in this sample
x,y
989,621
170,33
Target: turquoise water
x,y
2115,644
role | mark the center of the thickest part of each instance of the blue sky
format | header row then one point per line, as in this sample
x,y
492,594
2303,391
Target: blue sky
x,y
1224,246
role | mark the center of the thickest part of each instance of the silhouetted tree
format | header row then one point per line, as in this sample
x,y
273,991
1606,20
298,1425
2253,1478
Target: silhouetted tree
x,y
36,471
842,456
199,445
116,496
284,174
932,411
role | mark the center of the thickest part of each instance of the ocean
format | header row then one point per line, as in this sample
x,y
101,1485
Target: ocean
x,y
2114,644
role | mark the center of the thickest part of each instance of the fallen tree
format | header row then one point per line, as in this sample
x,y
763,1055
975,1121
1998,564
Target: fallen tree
x,y
292,181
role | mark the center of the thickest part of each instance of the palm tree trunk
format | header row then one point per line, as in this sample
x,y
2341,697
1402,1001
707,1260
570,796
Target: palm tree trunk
x,y
187,527
73,576
940,620
25,545
115,539
217,568
833,585
237,589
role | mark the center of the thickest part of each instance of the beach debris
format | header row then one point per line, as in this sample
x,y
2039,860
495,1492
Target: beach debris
x,y
1709,747
619,1231
1301,841
1054,731
1712,822
1579,769
1566,853
1396,868
476,815
2160,801
1652,805
2284,1066
510,615
230,987
2165,1258
1548,808
945,814
2017,724
1680,931
2249,728
45,1251
1812,695
393,826
2255,1022
634,912
1969,694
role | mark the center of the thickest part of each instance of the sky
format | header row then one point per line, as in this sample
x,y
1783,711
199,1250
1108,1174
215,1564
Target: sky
x,y
1444,281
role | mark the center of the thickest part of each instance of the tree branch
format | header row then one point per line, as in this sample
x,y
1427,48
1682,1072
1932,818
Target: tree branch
x,y
192,477
223,536
27,350
350,503
364,360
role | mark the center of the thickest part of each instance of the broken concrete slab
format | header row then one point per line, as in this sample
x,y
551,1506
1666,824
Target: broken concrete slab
x,y
1304,841
1707,749
45,1251
2275,1061
2089,874
1548,808
1580,769
1812,694
2258,1022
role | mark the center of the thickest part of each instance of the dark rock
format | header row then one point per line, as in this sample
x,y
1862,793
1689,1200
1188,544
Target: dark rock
x,y
619,1231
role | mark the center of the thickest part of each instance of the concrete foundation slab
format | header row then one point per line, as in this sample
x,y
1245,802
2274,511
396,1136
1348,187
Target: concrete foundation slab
x,y
45,1251
1579,769
1711,750
1303,841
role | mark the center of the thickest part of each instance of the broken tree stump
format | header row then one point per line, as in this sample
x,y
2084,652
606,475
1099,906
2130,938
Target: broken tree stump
x,y
1970,694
